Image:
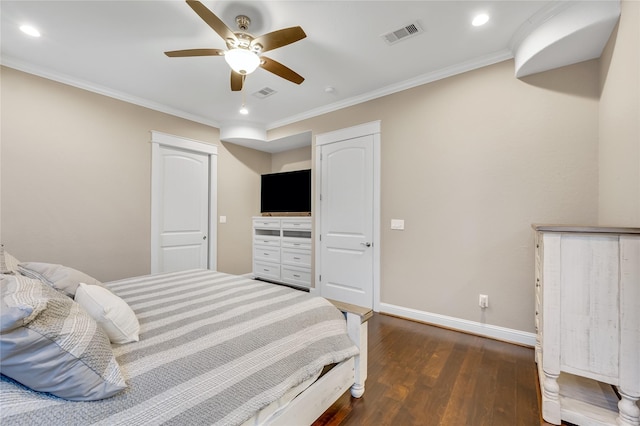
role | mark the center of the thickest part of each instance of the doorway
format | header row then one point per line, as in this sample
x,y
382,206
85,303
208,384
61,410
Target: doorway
x,y
183,204
348,215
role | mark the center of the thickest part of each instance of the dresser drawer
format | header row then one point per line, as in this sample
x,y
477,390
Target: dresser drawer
x,y
296,276
296,257
266,240
266,223
297,243
296,224
266,254
266,270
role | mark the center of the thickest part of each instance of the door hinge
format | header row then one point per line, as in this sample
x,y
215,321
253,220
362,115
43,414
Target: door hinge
x,y
320,277
320,237
320,197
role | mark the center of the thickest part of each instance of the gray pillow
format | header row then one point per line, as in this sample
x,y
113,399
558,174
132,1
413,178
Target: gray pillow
x,y
50,344
13,312
62,278
8,263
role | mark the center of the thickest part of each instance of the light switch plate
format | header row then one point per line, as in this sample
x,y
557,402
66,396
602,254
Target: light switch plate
x,y
223,219
397,224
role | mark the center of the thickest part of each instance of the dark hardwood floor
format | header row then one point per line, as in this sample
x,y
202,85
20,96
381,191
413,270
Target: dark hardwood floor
x,y
425,375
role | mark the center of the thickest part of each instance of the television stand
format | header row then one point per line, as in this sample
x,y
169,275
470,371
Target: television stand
x,y
282,250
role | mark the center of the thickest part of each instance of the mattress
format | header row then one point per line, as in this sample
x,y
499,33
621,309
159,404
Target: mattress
x,y
214,349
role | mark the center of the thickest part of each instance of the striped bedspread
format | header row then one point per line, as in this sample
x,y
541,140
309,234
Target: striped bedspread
x,y
214,349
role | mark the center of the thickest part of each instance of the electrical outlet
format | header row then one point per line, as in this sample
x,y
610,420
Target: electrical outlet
x,y
483,301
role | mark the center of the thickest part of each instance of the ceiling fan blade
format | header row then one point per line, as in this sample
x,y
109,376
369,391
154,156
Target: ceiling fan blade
x,y
237,81
280,70
279,38
194,52
212,20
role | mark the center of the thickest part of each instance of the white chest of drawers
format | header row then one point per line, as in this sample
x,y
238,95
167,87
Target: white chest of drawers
x,y
588,324
282,250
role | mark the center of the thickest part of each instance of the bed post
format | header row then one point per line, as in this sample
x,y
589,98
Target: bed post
x,y
357,329
357,318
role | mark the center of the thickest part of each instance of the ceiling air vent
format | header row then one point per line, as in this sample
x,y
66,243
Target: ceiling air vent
x,y
408,31
263,93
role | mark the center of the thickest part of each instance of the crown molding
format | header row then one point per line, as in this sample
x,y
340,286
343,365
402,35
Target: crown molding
x,y
102,90
430,77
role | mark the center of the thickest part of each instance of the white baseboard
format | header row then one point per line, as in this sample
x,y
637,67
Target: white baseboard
x,y
473,327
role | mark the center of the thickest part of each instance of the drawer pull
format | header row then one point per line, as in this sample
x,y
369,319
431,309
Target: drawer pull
x,y
265,270
266,254
296,258
296,244
296,275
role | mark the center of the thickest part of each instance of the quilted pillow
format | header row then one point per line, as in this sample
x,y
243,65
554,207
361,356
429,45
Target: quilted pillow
x,y
50,344
62,278
112,313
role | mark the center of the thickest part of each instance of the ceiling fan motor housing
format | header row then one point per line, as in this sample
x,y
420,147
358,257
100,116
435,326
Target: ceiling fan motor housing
x,y
244,52
243,22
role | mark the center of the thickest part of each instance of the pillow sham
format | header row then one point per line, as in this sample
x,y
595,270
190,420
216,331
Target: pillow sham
x,y
60,277
14,312
50,344
8,263
112,313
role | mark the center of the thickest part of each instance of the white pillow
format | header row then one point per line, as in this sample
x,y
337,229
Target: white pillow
x,y
111,312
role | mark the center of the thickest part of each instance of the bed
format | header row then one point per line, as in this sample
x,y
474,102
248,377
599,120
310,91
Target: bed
x,y
216,349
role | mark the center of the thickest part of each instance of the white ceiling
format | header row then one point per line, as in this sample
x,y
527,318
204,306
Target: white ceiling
x,y
116,48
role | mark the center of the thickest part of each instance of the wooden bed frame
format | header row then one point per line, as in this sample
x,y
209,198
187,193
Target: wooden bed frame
x,y
352,373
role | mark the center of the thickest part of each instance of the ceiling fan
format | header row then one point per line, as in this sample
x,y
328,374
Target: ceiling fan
x,y
244,52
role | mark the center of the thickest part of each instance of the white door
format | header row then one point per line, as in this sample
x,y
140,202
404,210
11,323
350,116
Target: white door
x,y
181,209
348,215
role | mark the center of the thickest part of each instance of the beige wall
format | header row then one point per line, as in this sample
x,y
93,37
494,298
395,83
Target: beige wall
x,y
75,179
469,163
619,156
239,171
294,159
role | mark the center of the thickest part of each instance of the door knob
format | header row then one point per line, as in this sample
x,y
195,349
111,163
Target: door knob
x,y
204,238
367,244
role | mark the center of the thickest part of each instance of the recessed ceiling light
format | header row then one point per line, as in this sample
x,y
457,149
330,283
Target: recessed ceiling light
x,y
28,29
480,19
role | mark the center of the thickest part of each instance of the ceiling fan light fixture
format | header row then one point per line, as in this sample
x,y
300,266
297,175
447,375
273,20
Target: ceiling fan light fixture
x,y
242,61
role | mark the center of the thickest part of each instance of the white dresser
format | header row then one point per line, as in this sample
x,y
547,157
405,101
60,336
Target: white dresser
x,y
588,323
282,250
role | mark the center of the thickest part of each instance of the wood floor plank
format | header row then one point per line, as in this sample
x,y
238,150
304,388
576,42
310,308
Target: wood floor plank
x,y
425,375
459,403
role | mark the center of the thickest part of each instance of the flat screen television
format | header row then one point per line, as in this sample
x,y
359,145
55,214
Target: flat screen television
x,y
286,192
